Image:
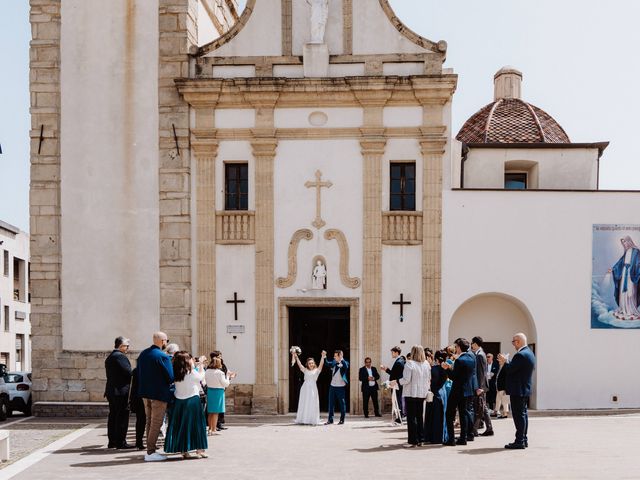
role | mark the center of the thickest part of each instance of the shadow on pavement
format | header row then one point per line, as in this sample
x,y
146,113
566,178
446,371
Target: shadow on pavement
x,y
86,450
482,451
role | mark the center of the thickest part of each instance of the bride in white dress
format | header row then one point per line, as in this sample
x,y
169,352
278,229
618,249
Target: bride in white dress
x,y
309,402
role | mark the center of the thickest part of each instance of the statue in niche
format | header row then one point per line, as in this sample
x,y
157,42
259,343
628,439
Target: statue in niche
x,y
319,277
319,16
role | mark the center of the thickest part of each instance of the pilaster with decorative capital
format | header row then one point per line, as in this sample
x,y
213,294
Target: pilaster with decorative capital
x,y
265,390
433,148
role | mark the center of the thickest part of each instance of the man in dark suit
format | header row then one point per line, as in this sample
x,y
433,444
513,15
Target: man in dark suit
x,y
518,384
463,389
480,401
369,377
118,370
395,373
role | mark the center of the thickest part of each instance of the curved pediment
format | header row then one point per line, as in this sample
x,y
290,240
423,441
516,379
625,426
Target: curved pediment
x,y
353,27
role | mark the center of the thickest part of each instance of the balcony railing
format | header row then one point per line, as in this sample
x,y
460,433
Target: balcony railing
x,y
236,227
402,228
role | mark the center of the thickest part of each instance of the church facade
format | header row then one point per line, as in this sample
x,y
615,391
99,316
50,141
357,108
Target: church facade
x,y
293,182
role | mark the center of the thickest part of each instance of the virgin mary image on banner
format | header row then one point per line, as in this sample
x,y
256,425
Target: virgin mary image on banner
x,y
615,293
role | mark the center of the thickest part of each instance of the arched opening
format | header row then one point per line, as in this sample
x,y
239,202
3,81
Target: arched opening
x,y
495,317
217,17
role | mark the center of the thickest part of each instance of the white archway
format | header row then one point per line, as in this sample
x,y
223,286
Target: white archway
x,y
495,317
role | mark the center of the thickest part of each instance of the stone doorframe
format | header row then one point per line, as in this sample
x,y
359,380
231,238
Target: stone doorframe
x,y
355,400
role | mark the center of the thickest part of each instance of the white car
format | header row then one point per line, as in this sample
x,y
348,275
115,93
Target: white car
x,y
19,386
5,409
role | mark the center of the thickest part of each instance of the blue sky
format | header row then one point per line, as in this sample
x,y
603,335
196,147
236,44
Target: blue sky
x,y
579,59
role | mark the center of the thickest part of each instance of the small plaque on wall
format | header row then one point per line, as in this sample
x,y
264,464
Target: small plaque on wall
x,y
235,329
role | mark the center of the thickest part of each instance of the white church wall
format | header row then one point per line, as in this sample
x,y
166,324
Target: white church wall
x,y
562,168
401,150
537,248
233,71
235,272
301,27
327,117
401,273
373,33
109,144
235,118
340,162
402,117
234,152
260,36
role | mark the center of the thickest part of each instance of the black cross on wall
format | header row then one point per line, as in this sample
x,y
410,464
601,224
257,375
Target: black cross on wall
x,y
402,303
235,302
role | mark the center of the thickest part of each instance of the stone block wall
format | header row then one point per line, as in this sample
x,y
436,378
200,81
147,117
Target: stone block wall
x,y
177,39
50,380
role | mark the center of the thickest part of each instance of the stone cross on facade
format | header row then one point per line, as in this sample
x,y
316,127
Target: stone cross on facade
x,y
318,184
235,302
402,303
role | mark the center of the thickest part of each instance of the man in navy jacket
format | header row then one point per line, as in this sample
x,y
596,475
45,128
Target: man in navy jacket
x,y
518,384
155,378
463,389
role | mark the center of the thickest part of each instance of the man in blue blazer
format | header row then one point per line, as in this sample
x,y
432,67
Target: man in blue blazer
x,y
463,389
518,385
155,380
338,388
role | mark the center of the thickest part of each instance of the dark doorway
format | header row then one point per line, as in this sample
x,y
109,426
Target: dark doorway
x,y
492,347
314,330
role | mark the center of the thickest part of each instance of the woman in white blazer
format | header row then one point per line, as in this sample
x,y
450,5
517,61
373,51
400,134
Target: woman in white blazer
x,y
415,381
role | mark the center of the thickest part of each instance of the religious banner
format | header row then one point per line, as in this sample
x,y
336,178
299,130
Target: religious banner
x,y
615,293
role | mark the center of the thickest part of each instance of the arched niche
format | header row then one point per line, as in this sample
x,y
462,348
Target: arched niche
x,y
495,317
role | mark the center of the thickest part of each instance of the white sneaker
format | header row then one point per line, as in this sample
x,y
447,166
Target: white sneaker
x,y
154,457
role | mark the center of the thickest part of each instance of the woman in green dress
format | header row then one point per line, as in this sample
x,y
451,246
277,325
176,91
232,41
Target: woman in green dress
x,y
187,429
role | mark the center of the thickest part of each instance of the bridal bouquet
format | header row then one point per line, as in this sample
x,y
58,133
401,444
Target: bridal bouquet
x,y
295,350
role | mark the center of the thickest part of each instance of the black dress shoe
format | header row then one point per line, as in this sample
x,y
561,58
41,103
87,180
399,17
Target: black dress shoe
x,y
460,441
515,446
222,427
366,416
378,415
111,445
470,438
450,443
341,422
140,446
487,433
125,446
328,423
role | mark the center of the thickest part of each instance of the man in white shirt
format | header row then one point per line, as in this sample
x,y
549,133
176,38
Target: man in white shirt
x,y
369,376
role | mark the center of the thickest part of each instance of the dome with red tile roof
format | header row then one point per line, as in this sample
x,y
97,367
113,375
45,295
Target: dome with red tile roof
x,y
509,119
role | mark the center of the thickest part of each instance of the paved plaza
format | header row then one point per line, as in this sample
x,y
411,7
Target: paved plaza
x,y
560,447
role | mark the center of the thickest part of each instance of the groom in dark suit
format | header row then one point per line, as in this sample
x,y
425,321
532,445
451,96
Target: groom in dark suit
x,y
518,385
369,377
463,389
339,382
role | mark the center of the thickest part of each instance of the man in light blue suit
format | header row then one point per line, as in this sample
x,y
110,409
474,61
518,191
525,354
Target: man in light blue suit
x,y
338,388
518,385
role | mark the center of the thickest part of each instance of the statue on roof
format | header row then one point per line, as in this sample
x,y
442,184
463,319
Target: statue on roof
x,y
319,16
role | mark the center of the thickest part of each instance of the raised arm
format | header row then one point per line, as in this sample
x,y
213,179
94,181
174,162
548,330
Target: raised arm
x,y
323,355
300,366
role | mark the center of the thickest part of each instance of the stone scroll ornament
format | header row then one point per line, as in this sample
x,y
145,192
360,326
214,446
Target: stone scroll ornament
x,y
347,281
292,257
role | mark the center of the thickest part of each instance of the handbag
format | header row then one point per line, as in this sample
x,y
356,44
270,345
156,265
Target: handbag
x,y
429,397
